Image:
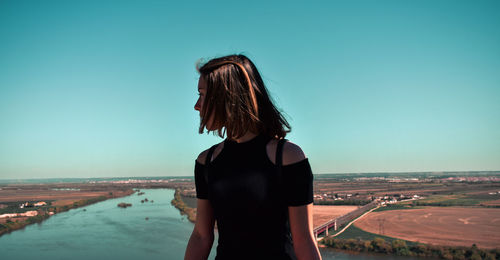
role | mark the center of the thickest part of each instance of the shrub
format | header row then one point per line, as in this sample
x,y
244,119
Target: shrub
x,y
489,256
35,219
476,256
447,255
400,248
459,254
380,246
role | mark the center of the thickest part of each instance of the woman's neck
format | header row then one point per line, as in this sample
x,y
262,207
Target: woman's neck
x,y
246,137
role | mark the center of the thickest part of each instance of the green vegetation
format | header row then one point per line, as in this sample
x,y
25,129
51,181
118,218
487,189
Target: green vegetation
x,y
456,200
182,207
124,205
13,207
446,201
14,224
11,226
402,248
356,239
353,232
37,218
357,202
396,207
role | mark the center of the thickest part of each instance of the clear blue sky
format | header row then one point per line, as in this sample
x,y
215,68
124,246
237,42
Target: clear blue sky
x,y
107,88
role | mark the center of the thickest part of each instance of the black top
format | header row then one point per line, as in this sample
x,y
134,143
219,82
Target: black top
x,y
249,202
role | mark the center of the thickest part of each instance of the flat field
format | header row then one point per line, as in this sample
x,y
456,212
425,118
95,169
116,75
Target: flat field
x,y
452,226
12,196
436,193
61,197
322,213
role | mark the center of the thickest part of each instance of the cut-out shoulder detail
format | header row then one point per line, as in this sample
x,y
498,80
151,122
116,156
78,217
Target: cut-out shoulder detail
x,y
203,155
292,153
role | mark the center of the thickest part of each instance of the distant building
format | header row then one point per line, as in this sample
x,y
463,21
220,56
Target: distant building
x,y
25,205
8,215
30,213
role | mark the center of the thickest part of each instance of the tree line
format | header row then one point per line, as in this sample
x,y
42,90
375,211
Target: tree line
x,y
401,248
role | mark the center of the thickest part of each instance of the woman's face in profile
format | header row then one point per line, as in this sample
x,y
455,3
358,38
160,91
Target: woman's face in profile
x,y
202,91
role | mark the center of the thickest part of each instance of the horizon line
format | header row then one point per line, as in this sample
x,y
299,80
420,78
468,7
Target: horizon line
x,y
334,173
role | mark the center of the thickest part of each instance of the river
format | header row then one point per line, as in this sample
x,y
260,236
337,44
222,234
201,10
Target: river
x,y
149,230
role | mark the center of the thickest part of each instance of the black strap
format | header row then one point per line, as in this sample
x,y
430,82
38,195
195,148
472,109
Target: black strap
x,y
207,161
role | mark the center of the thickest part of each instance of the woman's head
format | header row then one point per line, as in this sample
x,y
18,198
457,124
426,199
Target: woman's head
x,y
233,99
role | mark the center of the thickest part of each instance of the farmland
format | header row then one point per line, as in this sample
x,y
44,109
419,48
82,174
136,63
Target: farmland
x,y
430,189
433,214
455,226
322,214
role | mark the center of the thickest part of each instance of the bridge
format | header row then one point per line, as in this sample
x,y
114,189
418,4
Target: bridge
x,y
342,220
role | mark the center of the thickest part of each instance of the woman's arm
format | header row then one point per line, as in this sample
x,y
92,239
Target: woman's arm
x,y
202,238
301,226
301,217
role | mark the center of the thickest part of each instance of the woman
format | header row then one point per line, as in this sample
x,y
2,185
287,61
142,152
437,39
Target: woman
x,y
257,188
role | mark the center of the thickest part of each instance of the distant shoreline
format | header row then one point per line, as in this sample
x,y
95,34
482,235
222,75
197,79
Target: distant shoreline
x,y
63,196
191,177
183,207
11,224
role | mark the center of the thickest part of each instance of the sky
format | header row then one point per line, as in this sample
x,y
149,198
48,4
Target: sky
x,y
107,88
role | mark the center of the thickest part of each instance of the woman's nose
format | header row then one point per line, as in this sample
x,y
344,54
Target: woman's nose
x,y
197,105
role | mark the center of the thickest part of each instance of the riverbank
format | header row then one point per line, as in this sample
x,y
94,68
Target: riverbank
x,y
357,240
59,195
184,209
401,248
152,230
54,203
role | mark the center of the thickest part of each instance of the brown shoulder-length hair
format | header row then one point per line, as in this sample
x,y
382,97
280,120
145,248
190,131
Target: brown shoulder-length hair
x,y
238,100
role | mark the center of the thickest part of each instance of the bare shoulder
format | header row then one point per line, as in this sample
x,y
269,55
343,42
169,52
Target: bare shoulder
x,y
292,153
202,157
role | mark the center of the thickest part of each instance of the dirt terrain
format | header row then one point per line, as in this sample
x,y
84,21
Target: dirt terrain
x,y
61,197
381,188
453,226
322,214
